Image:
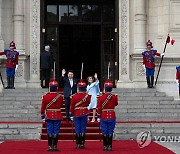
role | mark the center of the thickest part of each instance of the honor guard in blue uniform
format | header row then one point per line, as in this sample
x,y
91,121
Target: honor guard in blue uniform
x,y
79,111
11,64
106,105
148,63
51,112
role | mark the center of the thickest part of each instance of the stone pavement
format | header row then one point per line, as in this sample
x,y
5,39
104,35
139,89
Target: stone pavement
x,y
175,147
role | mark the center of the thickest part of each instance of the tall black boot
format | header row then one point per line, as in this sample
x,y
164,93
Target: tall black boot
x,y
50,142
55,142
105,142
8,83
78,141
152,82
110,136
12,83
82,140
148,81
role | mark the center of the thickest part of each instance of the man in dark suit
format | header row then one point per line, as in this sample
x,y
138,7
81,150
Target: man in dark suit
x,y
70,88
46,66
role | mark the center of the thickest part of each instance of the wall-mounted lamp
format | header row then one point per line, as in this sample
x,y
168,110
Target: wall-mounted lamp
x,y
115,30
43,30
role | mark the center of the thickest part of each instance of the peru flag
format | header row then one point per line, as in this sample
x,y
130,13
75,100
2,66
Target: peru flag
x,y
170,40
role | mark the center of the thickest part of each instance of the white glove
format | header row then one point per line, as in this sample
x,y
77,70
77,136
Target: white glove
x,y
162,54
63,72
72,118
95,76
144,67
177,82
98,119
16,68
43,120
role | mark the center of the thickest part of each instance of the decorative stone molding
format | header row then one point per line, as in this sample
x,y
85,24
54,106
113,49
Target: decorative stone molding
x,y
124,38
34,36
20,70
140,69
35,40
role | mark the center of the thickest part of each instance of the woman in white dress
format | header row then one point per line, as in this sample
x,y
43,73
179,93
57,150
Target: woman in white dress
x,y
93,90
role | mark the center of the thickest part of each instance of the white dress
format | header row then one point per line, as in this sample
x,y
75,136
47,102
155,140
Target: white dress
x,y
93,90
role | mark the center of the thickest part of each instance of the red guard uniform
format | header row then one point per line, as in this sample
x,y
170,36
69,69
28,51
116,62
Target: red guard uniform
x,y
11,62
106,105
51,111
12,56
148,61
54,111
79,111
107,112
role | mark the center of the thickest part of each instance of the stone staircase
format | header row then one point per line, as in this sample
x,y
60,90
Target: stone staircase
x,y
138,109
20,114
146,110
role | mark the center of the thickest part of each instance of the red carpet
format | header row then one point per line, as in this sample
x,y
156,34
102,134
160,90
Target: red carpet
x,y
68,147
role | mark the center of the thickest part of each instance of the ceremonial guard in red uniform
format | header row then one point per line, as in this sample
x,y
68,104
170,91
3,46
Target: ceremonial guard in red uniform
x,y
178,77
148,61
11,64
106,113
79,111
51,113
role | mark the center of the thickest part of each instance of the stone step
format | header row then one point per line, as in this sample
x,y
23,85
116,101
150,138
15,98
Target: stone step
x,y
144,106
139,90
25,90
148,110
29,131
146,98
131,130
147,116
141,94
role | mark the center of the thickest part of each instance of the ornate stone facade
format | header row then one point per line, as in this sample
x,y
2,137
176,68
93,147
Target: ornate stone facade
x,y
139,20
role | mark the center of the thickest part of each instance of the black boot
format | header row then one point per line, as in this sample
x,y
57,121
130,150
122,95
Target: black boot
x,y
82,140
50,143
8,83
110,142
148,81
152,82
55,142
105,142
12,83
78,141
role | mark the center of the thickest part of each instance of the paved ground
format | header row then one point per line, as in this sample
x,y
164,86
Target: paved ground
x,y
175,147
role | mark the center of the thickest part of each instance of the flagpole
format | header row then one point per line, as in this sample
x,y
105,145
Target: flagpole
x,y
161,59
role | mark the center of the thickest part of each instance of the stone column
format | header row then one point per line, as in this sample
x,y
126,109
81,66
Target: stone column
x,y
140,26
1,39
19,25
34,44
124,74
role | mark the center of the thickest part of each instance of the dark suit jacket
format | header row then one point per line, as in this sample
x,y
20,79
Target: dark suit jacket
x,y
67,86
46,60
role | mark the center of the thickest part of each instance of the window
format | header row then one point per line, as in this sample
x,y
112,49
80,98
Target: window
x,y
51,13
